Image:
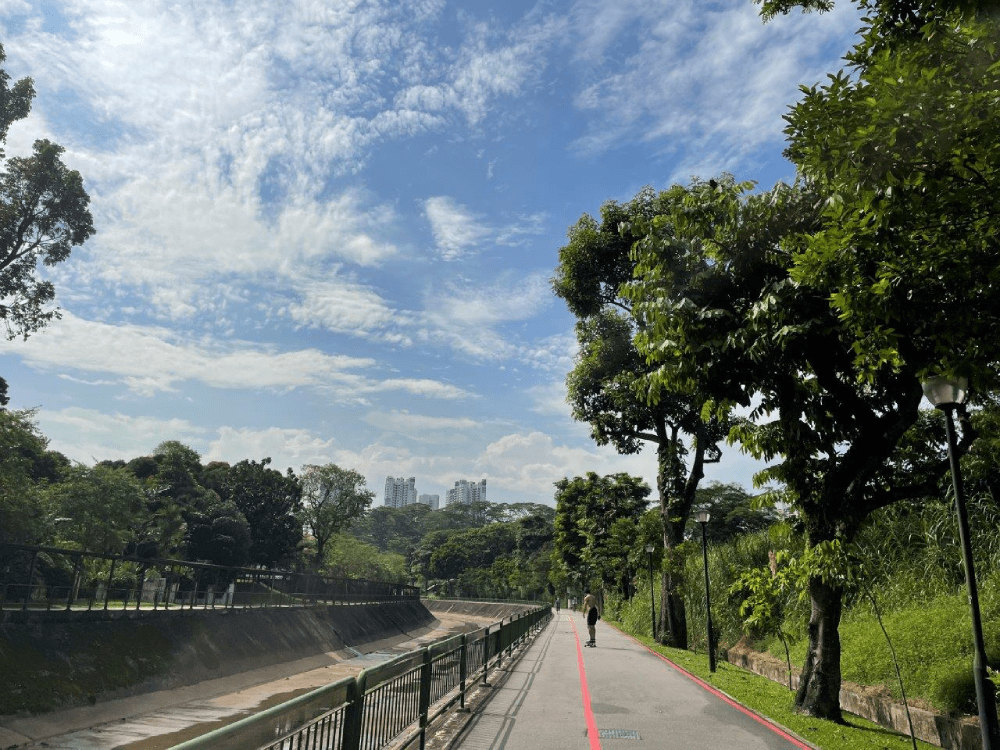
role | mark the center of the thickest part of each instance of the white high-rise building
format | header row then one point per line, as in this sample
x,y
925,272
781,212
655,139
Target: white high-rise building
x,y
431,501
400,492
467,492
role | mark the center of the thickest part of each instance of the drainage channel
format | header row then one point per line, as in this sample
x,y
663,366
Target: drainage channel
x,y
161,720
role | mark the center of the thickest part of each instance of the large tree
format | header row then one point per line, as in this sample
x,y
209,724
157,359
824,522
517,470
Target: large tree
x,y
272,504
22,447
43,215
606,386
748,331
101,508
332,499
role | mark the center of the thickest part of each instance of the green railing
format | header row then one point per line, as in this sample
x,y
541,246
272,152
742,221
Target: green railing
x,y
392,703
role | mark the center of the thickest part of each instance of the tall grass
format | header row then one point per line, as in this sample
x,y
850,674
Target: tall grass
x,y
910,559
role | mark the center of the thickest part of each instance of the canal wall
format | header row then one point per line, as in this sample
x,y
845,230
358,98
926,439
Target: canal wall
x,y
494,610
54,660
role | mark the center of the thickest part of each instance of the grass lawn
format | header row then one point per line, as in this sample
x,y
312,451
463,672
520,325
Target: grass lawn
x,y
775,702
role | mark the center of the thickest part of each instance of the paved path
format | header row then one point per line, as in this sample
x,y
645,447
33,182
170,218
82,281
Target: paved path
x,y
562,695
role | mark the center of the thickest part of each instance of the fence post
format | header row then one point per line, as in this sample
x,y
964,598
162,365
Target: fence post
x,y
486,655
425,695
194,594
111,576
353,713
463,670
31,577
142,585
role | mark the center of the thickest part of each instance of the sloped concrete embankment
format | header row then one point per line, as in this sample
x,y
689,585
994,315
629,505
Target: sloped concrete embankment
x,y
494,610
54,660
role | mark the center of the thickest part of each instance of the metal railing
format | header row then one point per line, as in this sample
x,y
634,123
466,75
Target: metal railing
x,y
48,578
390,704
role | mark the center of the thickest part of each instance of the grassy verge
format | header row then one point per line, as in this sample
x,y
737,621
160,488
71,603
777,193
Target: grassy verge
x,y
776,703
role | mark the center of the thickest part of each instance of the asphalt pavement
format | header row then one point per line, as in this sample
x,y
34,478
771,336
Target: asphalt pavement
x,y
561,695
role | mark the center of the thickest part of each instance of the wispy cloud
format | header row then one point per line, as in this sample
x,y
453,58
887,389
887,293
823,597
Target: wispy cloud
x,y
88,435
222,129
454,227
150,359
722,77
287,448
469,317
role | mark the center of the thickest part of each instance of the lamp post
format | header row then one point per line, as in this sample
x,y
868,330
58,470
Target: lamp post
x,y
703,518
947,394
652,601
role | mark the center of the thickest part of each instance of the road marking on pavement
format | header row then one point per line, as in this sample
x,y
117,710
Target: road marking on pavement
x,y
592,733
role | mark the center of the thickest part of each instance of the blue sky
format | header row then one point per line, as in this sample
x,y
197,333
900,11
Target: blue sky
x,y
326,229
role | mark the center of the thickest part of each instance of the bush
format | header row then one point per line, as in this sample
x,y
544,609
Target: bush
x,y
953,688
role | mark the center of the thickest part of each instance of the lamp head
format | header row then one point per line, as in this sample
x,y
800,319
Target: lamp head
x,y
944,391
649,548
703,516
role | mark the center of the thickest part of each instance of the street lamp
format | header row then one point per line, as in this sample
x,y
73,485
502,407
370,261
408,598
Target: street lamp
x,y
703,518
948,394
652,601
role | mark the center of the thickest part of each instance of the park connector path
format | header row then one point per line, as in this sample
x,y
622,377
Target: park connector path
x,y
561,695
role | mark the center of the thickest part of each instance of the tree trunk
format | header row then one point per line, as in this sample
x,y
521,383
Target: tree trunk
x,y
672,628
676,497
819,684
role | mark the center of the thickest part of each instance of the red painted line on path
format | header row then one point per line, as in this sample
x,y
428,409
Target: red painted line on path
x,y
595,742
719,694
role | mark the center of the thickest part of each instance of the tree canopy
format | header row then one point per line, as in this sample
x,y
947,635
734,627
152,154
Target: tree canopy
x,y
332,499
43,214
609,388
596,524
272,504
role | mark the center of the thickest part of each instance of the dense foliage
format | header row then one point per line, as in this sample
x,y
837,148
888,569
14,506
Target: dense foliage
x,y
607,386
44,214
479,549
819,306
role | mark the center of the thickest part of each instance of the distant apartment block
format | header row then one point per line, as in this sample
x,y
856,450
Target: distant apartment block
x,y
431,501
467,492
400,492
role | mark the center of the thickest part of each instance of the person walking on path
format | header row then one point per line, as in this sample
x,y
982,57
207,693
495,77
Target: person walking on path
x,y
592,612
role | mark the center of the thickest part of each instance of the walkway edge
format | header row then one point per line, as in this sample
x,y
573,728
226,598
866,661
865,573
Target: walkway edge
x,y
759,717
499,675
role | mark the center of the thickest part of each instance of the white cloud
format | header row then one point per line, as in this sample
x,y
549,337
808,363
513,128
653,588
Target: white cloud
x,y
454,227
723,77
407,423
286,447
223,128
553,354
466,318
149,359
519,232
417,387
88,435
422,428
550,399
532,462
344,306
